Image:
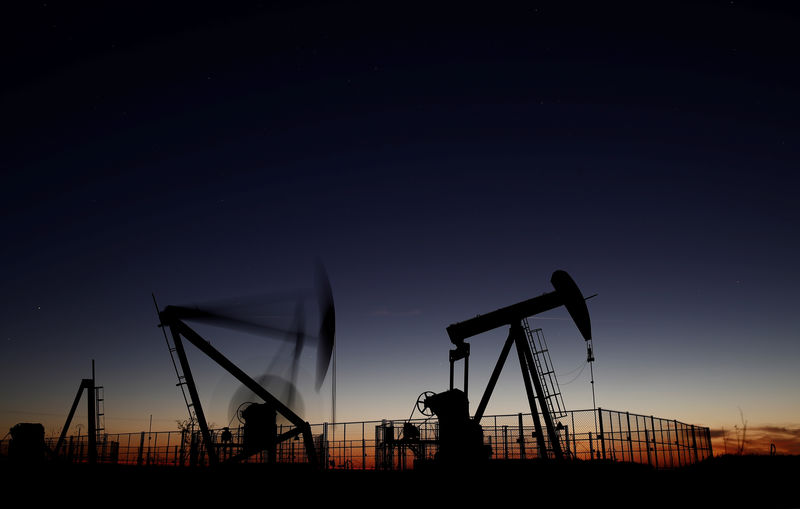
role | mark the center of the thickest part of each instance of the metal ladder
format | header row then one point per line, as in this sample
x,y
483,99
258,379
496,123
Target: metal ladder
x,y
181,378
181,381
99,395
544,368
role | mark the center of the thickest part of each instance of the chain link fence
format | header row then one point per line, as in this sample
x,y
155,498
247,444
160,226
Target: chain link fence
x,y
395,445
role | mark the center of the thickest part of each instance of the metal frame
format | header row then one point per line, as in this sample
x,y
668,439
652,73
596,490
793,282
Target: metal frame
x,y
172,318
89,385
566,294
360,445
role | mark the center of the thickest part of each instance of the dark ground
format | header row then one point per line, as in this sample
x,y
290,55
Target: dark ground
x,y
730,481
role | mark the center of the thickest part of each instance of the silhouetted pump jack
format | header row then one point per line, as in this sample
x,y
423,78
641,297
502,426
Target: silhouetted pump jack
x,y
91,388
457,430
260,430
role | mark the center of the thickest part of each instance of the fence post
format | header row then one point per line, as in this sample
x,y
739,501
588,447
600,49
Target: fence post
x,y
505,441
655,448
611,439
495,454
574,445
323,443
671,456
166,449
521,438
630,438
601,435
141,449
685,444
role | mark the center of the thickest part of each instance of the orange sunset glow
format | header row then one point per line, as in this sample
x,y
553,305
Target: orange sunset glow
x,y
412,253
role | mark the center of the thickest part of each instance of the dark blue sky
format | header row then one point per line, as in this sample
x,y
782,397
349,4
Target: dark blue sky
x,y
442,162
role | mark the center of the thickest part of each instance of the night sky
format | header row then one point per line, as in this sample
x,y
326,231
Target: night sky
x,y
441,162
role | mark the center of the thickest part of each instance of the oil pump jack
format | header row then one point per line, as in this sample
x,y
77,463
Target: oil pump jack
x,y
260,429
461,437
94,401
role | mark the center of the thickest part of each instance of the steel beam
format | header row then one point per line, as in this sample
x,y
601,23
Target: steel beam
x,y
519,341
71,414
193,394
537,383
508,315
487,393
91,401
566,294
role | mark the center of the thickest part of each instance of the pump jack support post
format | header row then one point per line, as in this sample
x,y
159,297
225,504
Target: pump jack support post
x,y
88,385
213,458
526,379
524,349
